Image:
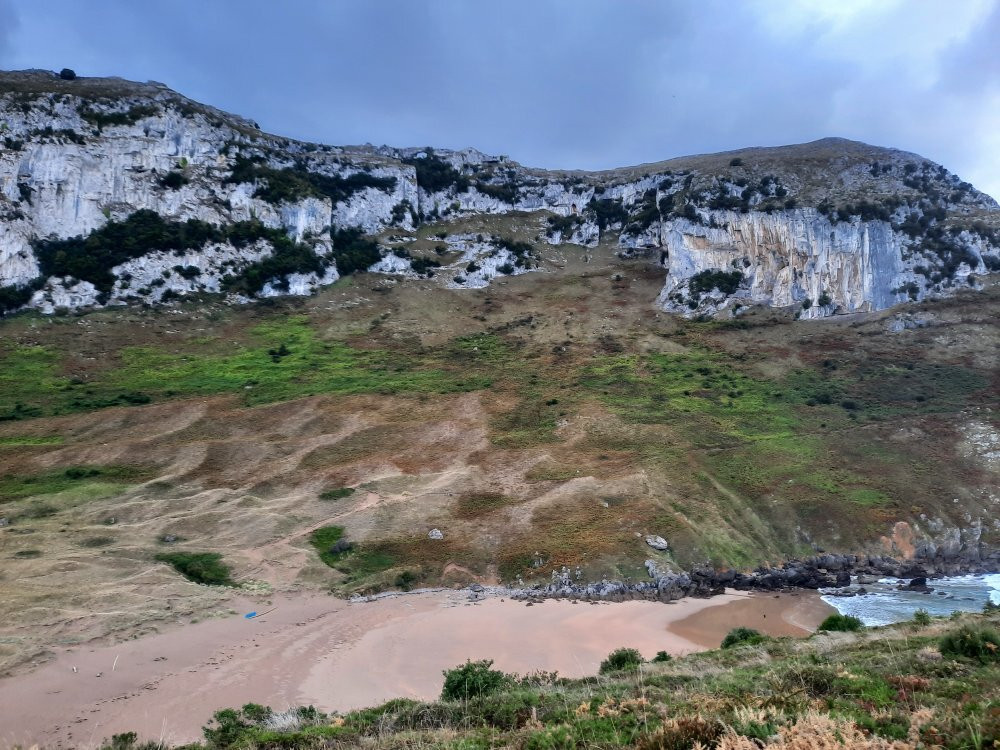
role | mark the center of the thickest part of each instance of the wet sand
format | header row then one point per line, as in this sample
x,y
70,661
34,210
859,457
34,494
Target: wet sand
x,y
337,656
795,614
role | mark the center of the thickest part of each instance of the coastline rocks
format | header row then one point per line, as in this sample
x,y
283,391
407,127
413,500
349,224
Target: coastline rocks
x,y
916,584
827,571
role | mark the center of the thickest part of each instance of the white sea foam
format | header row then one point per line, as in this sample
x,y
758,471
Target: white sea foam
x,y
886,603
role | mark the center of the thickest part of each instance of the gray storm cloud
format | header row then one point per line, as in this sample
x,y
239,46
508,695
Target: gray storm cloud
x,y
579,85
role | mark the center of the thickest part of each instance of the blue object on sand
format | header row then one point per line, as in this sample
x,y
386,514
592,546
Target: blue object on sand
x,y
250,615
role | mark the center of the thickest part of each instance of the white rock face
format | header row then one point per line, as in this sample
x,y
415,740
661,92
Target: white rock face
x,y
487,260
62,176
61,186
788,257
795,257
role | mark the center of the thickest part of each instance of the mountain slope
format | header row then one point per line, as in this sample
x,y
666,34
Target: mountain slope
x,y
210,204
542,414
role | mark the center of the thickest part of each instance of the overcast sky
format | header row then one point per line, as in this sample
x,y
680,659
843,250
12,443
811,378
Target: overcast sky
x,y
571,83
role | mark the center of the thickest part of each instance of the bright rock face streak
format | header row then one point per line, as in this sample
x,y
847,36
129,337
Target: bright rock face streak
x,y
71,163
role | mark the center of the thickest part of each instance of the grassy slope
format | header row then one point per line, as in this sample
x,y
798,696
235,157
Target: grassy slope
x,y
543,422
867,690
745,437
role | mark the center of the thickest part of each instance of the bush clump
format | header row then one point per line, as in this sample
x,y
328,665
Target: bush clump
x,y
336,494
173,180
201,567
843,623
91,258
131,116
353,251
14,296
621,660
980,644
683,733
295,183
473,679
743,637
607,212
435,174
329,542
726,282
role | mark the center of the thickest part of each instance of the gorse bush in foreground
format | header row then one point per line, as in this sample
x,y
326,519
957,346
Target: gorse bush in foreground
x,y
621,660
841,623
979,643
473,679
742,637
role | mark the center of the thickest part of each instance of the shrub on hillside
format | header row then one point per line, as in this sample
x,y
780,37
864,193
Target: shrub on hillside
x,y
435,174
67,74
173,180
295,183
201,567
15,296
922,617
661,656
473,679
337,493
842,623
330,543
92,257
726,282
621,660
981,644
353,251
682,733
742,637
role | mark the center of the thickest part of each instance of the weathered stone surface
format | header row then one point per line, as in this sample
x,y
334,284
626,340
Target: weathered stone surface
x,y
68,175
657,543
811,573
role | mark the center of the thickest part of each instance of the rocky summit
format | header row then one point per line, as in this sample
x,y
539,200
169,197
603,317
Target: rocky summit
x,y
113,192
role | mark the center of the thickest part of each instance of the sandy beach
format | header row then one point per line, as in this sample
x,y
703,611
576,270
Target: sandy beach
x,y
336,655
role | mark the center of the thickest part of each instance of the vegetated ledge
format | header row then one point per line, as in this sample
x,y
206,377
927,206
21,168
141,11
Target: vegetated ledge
x,y
822,571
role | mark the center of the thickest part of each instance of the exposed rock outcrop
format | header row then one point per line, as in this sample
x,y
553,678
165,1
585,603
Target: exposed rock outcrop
x,y
828,227
823,571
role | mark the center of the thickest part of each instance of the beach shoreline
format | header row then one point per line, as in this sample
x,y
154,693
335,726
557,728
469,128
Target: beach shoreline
x,y
319,650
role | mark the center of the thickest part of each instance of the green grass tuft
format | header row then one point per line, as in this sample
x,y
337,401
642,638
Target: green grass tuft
x,y
75,477
201,567
336,494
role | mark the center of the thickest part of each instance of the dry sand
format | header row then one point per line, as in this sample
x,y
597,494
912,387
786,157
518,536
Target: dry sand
x,y
336,655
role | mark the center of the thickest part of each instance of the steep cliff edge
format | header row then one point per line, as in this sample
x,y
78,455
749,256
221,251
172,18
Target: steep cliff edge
x,y
114,192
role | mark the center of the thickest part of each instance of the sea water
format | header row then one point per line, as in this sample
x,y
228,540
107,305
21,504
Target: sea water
x,y
885,603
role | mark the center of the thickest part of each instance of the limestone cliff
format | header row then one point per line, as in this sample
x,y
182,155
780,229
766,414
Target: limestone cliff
x,y
114,192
